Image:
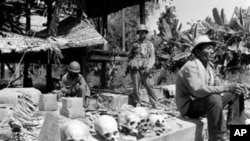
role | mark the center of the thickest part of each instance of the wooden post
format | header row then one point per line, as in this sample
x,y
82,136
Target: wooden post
x,y
49,83
104,25
142,13
104,34
25,74
26,64
103,76
2,70
84,62
28,24
123,31
50,12
26,81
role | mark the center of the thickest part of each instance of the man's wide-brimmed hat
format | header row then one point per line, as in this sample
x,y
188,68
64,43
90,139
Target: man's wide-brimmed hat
x,y
203,39
142,27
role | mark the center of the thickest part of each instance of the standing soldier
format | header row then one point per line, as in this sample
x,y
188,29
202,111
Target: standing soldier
x,y
141,61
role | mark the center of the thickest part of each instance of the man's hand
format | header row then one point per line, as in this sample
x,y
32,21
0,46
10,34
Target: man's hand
x,y
237,88
64,90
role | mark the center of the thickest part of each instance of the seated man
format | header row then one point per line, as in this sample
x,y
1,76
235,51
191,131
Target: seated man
x,y
197,95
73,83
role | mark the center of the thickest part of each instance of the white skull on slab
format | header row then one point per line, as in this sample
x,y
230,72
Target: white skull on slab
x,y
157,120
144,116
106,126
74,130
128,122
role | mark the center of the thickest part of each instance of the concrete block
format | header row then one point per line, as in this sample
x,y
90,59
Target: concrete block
x,y
48,102
110,101
72,107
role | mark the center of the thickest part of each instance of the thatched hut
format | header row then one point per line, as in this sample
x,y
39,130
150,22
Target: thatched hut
x,y
74,36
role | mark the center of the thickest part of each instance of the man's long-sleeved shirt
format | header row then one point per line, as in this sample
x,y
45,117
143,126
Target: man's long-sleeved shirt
x,y
195,81
144,51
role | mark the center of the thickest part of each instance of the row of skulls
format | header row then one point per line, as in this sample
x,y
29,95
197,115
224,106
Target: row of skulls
x,y
138,120
130,121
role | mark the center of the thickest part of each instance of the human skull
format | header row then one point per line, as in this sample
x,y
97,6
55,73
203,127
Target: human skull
x,y
128,122
144,117
106,126
157,120
74,130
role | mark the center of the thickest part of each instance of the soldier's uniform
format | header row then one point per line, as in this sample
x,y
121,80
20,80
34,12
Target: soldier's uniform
x,y
142,58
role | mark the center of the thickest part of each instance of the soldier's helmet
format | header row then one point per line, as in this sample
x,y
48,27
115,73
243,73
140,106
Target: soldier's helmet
x,y
142,27
74,67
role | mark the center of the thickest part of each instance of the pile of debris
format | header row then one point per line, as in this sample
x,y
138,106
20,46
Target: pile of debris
x,y
19,118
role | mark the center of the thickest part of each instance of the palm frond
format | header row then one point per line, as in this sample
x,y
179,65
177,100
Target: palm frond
x,y
217,17
241,18
223,16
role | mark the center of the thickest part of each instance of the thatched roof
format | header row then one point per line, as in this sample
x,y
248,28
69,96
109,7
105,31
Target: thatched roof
x,y
10,42
75,33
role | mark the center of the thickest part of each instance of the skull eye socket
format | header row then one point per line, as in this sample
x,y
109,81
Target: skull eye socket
x,y
107,135
158,121
143,120
147,120
115,133
132,123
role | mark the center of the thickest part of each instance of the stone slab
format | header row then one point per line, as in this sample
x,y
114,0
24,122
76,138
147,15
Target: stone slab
x,y
180,130
110,101
183,130
50,130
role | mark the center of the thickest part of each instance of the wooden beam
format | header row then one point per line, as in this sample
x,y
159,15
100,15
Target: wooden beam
x,y
102,58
